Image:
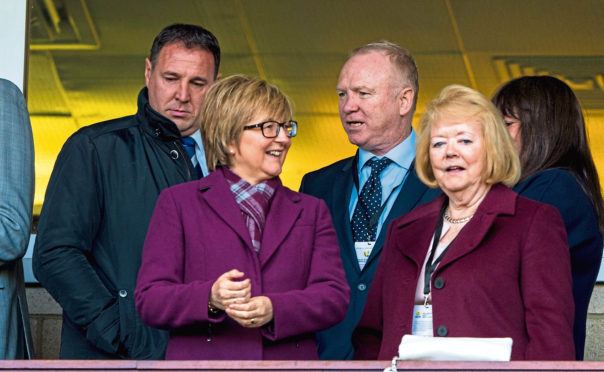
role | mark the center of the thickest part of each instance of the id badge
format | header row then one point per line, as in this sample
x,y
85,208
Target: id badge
x,y
363,250
422,320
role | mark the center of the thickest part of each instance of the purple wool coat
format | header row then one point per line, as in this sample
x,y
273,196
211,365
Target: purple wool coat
x,y
197,233
507,274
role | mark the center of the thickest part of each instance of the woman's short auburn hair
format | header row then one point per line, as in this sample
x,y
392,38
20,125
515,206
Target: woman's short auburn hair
x,y
501,158
231,103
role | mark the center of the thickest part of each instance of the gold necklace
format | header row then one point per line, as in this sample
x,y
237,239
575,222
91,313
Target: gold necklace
x,y
457,220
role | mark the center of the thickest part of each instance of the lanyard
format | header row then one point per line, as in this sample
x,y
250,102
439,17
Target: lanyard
x,y
431,266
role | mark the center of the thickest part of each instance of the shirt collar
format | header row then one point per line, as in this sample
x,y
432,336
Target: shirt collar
x,y
401,154
197,137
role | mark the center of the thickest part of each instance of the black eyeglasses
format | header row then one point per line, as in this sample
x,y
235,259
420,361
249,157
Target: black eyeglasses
x,y
270,128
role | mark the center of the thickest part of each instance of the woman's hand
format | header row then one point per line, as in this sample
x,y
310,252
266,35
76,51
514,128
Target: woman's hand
x,y
227,290
252,314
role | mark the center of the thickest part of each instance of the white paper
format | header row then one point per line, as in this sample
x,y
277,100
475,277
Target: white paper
x,y
455,348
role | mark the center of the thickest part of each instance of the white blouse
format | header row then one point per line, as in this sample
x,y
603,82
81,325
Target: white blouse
x,y
419,290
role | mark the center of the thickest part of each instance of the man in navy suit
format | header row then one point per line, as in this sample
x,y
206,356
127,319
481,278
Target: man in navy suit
x,y
377,91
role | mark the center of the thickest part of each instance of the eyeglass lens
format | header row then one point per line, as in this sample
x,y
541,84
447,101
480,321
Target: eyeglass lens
x,y
271,128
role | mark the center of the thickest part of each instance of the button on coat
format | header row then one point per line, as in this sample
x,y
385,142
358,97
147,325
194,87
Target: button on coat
x,y
439,283
442,331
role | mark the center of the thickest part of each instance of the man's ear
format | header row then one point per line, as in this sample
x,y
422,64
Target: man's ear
x,y
148,68
405,100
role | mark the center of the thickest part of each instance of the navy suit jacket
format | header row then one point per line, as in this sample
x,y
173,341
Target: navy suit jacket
x,y
334,185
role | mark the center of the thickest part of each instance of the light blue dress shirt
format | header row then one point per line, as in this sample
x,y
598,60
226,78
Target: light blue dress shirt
x,y
200,154
392,178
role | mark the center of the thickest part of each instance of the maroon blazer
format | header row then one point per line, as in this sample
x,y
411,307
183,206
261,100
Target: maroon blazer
x,y
507,274
197,233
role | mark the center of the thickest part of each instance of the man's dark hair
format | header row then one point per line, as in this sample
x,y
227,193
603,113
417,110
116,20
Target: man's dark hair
x,y
191,36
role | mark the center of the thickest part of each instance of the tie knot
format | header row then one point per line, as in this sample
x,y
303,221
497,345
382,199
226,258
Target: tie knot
x,y
189,144
188,141
378,165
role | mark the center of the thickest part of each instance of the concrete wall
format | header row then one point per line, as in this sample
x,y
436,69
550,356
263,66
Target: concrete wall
x,y
45,319
594,348
45,315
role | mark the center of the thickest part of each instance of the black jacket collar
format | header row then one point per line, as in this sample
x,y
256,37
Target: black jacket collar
x,y
153,122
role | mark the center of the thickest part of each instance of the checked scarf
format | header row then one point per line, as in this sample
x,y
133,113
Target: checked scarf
x,y
254,202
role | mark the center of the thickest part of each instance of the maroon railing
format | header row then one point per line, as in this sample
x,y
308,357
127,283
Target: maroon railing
x,y
298,366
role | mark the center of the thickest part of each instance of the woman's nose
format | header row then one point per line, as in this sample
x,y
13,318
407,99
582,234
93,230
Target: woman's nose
x,y
451,150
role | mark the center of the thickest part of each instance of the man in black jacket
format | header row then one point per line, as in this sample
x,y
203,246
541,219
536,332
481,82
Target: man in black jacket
x,y
102,193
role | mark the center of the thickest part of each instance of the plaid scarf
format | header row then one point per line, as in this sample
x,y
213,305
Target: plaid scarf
x,y
254,202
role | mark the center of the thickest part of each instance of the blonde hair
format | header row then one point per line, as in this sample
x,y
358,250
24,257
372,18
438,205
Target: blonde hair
x,y
501,158
231,103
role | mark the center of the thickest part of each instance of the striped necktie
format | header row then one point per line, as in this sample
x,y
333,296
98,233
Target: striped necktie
x,y
189,145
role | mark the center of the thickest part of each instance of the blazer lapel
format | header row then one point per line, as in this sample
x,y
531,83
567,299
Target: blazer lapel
x,y
282,216
342,189
217,194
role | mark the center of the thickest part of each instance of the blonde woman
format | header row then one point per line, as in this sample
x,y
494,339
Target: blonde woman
x,y
478,260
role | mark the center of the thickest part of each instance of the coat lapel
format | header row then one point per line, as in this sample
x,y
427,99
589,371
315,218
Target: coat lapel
x,y
468,239
283,213
419,229
499,200
215,191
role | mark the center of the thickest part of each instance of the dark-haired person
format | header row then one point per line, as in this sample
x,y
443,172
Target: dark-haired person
x,y
102,192
545,121
236,265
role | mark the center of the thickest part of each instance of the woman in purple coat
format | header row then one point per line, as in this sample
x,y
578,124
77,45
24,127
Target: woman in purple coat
x,y
480,260
236,265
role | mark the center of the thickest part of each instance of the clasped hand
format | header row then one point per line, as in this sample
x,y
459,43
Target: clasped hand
x,y
234,297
